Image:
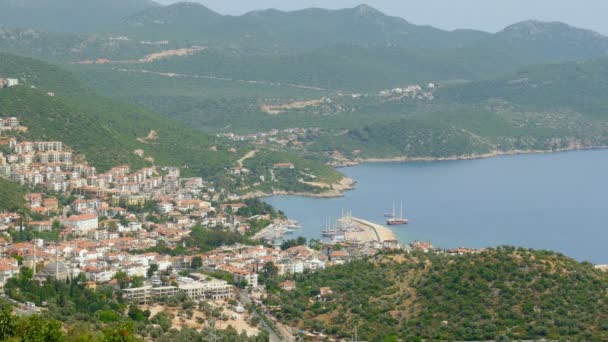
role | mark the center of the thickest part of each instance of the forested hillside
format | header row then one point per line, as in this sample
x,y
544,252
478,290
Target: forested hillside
x,y
106,132
500,293
56,106
12,196
68,15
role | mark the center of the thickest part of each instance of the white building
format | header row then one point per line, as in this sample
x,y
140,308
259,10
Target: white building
x,y
82,223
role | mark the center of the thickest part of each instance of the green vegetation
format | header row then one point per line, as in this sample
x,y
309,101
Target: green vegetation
x,y
33,328
104,131
518,293
12,196
206,239
93,315
64,47
108,133
255,206
69,15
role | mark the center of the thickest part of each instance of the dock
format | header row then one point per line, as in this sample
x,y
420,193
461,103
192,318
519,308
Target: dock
x,y
367,231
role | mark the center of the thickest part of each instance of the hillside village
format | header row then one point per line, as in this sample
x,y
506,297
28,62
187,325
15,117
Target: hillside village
x,y
133,229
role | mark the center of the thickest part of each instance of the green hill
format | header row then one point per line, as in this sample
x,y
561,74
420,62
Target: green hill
x,y
514,293
73,47
68,15
12,196
105,131
577,86
552,41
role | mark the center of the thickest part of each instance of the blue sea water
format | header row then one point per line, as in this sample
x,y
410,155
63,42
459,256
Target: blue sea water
x,y
545,201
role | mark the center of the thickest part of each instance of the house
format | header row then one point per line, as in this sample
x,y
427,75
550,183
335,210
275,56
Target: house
x,y
82,223
35,200
288,166
164,207
339,255
51,204
41,226
8,269
288,285
240,275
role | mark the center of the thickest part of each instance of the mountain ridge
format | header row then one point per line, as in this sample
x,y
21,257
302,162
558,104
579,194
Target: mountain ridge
x,y
74,16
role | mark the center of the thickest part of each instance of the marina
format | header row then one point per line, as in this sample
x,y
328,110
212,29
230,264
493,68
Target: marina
x,y
277,231
547,201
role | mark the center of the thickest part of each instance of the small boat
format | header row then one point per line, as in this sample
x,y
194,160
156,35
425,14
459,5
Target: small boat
x,y
397,221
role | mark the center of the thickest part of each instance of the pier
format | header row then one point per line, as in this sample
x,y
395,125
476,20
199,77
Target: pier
x,y
367,231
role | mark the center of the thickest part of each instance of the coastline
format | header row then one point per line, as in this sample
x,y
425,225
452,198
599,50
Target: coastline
x,y
493,154
335,190
347,184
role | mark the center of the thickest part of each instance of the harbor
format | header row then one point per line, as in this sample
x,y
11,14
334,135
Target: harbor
x,y
347,229
277,231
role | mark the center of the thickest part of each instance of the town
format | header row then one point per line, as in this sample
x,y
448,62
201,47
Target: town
x,y
141,231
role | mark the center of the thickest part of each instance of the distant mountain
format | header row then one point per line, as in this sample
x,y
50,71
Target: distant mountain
x,y
68,15
277,30
552,41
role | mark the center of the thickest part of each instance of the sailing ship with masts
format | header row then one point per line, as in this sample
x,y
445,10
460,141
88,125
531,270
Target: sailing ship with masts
x,y
397,221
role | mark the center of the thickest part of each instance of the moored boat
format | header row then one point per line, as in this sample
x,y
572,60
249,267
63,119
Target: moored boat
x,y
397,221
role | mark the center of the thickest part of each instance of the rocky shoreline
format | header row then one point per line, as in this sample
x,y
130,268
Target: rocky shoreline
x,y
347,184
359,161
333,191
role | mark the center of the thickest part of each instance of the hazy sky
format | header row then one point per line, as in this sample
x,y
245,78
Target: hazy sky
x,y
487,15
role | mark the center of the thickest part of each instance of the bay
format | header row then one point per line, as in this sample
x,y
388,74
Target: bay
x,y
553,201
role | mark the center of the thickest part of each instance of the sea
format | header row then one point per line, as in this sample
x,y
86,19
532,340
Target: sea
x,y
554,201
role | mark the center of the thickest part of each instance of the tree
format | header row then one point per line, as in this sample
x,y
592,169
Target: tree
x,y
137,281
113,227
122,278
300,241
120,333
136,314
7,323
270,270
25,274
197,262
152,269
35,328
56,225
